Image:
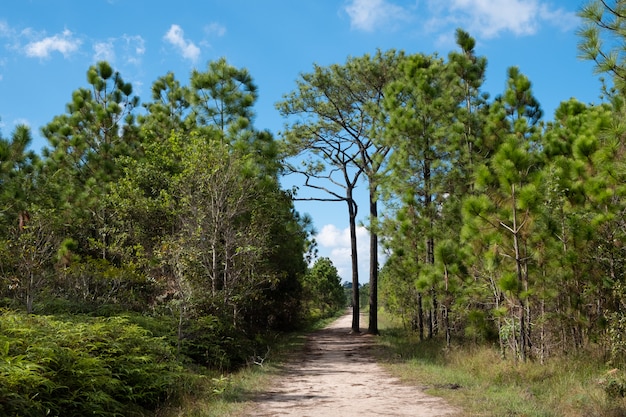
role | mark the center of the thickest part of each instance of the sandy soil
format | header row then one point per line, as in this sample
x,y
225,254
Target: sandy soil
x,y
337,376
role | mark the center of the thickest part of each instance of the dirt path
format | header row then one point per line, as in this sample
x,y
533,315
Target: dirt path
x,y
338,377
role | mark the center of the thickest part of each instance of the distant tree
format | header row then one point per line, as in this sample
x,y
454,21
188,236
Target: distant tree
x,y
27,241
434,113
168,110
322,287
418,107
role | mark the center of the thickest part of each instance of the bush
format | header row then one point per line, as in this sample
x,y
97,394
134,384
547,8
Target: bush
x,y
210,342
76,366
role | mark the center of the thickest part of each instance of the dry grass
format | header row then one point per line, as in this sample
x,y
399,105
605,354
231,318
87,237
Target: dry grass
x,y
480,382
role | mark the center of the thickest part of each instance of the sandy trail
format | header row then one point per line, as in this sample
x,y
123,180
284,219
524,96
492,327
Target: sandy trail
x,y
337,376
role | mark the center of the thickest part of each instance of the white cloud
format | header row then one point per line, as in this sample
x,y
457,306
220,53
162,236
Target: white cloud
x,y
21,121
490,18
566,20
65,43
334,243
188,49
137,43
368,15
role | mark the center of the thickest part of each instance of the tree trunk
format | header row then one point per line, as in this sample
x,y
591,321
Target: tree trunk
x,y
181,317
519,269
433,326
446,324
446,309
352,208
420,316
373,301
29,293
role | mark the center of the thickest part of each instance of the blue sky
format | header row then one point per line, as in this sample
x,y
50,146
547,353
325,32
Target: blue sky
x,y
46,47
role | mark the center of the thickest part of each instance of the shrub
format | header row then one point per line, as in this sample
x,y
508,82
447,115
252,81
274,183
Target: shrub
x,y
75,366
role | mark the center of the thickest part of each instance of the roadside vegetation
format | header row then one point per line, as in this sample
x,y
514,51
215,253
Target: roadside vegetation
x,y
475,378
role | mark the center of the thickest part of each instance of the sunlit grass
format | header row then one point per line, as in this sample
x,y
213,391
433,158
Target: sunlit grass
x,y
477,380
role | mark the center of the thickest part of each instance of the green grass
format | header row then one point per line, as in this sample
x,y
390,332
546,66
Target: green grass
x,y
481,383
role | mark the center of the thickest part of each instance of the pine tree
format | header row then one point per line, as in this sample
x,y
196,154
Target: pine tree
x,y
86,145
509,193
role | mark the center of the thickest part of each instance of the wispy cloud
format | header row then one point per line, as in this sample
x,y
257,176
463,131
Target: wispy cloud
x,y
216,29
21,121
64,43
490,18
175,36
369,15
104,51
134,48
131,48
5,30
482,18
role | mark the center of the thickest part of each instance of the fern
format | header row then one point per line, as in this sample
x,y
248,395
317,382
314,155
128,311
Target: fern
x,y
79,365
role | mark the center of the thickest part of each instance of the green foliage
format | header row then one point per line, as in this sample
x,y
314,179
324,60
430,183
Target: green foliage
x,y
600,38
210,342
79,366
97,282
322,288
614,384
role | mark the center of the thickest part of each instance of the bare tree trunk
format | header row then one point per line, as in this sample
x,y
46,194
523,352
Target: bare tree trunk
x,y
420,316
446,324
352,208
446,310
433,326
373,300
29,293
519,269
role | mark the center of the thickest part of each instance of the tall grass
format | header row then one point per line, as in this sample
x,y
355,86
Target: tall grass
x,y
476,379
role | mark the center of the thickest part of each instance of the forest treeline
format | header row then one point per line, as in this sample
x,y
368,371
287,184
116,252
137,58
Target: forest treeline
x,y
148,237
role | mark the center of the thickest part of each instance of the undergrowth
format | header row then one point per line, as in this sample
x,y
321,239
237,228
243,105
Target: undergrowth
x,y
76,365
79,365
481,383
